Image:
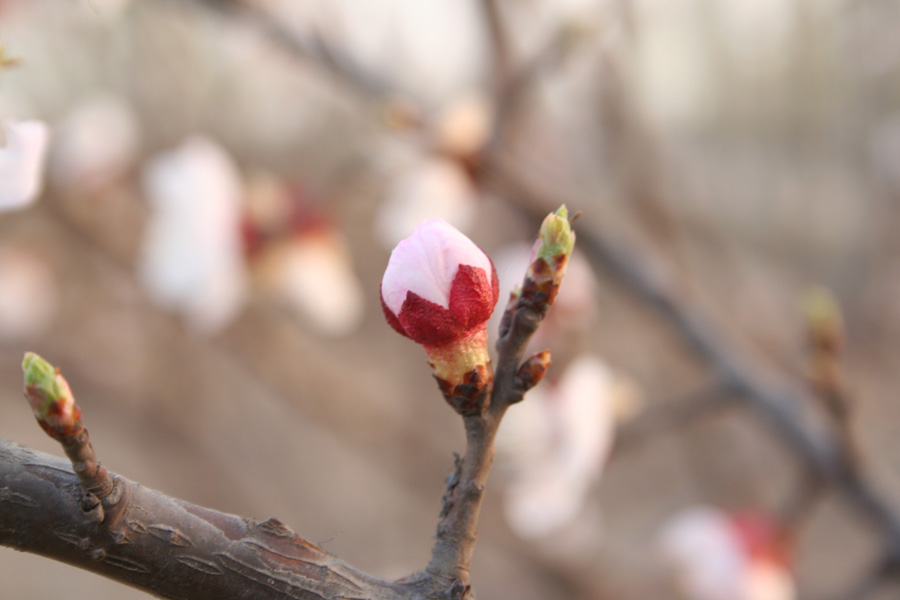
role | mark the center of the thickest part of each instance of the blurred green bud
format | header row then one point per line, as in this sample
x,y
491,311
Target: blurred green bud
x,y
49,395
556,236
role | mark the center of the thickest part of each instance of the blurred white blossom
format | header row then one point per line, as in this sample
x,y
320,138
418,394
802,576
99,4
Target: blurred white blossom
x,y
431,188
28,294
714,555
94,145
464,124
555,445
192,259
313,274
22,163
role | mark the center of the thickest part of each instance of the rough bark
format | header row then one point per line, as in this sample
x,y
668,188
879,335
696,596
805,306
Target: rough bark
x,y
168,547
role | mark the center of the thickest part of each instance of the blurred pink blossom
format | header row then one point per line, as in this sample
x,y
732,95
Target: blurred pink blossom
x,y
430,188
22,163
555,445
95,144
715,555
313,274
29,294
192,257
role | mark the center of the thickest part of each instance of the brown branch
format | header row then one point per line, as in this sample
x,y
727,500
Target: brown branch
x,y
457,529
169,547
776,398
501,54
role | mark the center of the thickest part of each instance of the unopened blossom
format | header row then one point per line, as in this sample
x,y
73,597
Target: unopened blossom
x,y
192,257
439,289
22,163
715,555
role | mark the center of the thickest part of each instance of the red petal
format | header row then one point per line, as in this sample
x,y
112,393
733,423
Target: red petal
x,y
472,296
428,323
391,317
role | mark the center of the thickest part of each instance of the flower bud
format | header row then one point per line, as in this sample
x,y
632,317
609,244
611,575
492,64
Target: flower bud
x,y
50,397
439,289
549,258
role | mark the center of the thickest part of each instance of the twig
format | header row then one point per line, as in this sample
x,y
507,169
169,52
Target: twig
x,y
775,398
315,50
674,414
499,42
457,529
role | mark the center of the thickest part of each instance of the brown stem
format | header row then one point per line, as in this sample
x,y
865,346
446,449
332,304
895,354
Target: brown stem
x,y
774,397
451,556
94,478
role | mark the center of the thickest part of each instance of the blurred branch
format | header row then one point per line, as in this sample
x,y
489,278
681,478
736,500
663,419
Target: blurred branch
x,y
777,399
499,41
314,49
457,529
674,414
83,515
511,98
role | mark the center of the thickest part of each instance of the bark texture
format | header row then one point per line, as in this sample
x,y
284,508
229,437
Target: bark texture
x,y
168,547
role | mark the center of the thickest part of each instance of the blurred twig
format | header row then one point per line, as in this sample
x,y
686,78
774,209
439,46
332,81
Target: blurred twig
x,y
315,49
674,414
777,399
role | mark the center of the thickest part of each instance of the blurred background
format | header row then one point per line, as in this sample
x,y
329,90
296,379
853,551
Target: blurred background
x,y
223,184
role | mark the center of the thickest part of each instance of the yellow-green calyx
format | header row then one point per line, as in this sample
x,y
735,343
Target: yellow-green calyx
x,y
463,372
452,361
48,393
556,236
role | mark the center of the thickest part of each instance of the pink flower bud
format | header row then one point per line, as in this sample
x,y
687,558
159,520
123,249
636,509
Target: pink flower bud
x,y
439,289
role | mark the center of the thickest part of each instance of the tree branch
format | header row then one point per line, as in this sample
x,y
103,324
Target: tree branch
x,y
457,528
776,398
169,547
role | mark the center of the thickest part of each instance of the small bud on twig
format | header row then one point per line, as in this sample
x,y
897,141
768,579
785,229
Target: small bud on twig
x,y
532,371
548,261
56,412
50,397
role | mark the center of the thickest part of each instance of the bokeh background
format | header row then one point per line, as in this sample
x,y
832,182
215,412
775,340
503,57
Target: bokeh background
x,y
224,184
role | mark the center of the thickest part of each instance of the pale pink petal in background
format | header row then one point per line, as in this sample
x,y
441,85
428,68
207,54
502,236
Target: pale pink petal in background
x,y
554,446
192,256
428,189
29,295
95,144
22,163
312,273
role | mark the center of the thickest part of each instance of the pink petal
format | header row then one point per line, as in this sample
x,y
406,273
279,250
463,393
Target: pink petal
x,y
22,163
426,263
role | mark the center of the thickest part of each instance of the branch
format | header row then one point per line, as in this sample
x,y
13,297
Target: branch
x,y
772,395
315,50
169,547
457,529
86,516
